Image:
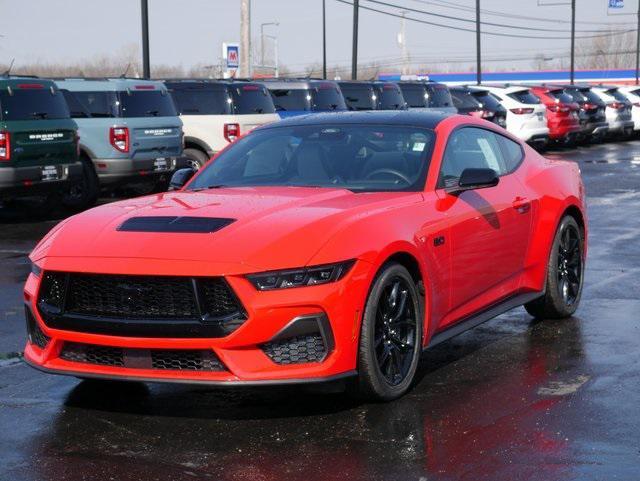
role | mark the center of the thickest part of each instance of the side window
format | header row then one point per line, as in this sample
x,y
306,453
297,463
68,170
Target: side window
x,y
470,148
512,153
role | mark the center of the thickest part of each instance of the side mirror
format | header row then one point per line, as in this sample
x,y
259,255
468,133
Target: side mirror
x,y
180,178
472,179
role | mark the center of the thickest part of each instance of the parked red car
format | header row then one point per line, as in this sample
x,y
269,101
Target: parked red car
x,y
321,247
563,113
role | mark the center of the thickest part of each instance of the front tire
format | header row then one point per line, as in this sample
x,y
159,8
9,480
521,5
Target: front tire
x,y
565,274
391,336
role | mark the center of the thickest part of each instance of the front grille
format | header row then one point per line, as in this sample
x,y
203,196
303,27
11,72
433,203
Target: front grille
x,y
186,360
36,336
296,350
160,359
151,306
90,354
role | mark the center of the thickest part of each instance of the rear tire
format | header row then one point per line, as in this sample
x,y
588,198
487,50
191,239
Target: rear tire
x,y
565,274
84,193
391,336
197,158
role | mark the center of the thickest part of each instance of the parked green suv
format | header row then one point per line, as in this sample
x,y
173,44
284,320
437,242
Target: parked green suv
x,y
38,140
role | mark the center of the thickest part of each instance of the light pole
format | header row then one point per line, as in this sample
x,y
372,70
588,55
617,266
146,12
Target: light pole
x,y
354,46
573,40
478,46
146,65
262,25
324,39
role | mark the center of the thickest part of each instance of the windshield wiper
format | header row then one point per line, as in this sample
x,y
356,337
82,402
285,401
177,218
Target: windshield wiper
x,y
152,112
258,110
40,115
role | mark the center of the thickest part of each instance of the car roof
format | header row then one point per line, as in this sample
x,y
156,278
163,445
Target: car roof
x,y
427,120
293,84
177,84
14,81
106,84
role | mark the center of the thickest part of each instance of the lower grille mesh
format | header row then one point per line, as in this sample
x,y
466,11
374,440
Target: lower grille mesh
x,y
296,350
36,336
160,359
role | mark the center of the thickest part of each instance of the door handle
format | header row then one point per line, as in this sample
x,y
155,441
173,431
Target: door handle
x,y
521,204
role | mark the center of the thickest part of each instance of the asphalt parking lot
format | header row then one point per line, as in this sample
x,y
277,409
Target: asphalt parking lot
x,y
511,400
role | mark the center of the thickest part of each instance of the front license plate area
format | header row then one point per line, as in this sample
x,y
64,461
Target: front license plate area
x,y
160,164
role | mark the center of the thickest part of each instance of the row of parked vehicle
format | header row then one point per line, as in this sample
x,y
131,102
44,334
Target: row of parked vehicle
x,y
75,138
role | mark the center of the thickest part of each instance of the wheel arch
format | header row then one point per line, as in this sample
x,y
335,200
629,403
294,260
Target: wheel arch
x,y
196,143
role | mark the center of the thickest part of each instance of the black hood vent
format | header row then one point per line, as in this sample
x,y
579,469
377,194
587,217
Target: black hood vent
x,y
183,225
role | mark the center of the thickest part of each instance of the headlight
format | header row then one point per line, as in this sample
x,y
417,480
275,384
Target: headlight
x,y
36,270
306,276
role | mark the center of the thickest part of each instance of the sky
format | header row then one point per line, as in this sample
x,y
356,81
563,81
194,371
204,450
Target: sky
x,y
190,32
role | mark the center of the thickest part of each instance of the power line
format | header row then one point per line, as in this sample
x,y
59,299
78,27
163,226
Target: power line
x,y
458,6
497,34
491,24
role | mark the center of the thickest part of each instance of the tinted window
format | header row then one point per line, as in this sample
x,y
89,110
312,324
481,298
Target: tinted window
x,y
576,95
204,101
439,96
98,104
512,154
251,99
291,99
415,95
147,103
470,148
592,97
390,98
524,97
359,97
488,100
619,96
33,104
464,100
327,97
561,96
76,109
356,157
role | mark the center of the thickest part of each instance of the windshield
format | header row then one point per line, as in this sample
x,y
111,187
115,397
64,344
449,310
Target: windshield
x,y
33,104
415,95
619,96
390,98
202,101
359,97
147,103
291,99
92,104
361,158
488,100
463,99
561,96
593,97
327,97
251,99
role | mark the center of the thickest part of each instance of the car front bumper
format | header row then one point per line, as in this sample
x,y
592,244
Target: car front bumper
x,y
27,181
273,318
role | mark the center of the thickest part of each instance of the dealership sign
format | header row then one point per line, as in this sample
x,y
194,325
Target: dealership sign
x,y
231,54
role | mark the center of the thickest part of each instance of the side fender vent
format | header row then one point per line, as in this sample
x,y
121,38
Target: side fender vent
x,y
182,225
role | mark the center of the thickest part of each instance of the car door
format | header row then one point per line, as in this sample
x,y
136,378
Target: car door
x,y
488,227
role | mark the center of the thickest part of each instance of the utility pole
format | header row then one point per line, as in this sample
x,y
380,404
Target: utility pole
x,y
638,48
402,40
146,65
573,41
354,48
324,39
478,46
245,38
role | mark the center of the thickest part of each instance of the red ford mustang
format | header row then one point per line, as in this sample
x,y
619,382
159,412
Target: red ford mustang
x,y
321,247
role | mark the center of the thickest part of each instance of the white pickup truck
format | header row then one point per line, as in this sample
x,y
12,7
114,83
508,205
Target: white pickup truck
x,y
216,112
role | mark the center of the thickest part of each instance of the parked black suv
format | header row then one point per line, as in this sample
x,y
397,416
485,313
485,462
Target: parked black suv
x,y
479,103
360,95
592,115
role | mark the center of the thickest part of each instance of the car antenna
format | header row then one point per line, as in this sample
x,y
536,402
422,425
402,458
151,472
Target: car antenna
x,y
126,71
8,71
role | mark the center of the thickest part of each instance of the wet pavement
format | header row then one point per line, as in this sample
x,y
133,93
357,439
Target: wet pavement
x,y
510,400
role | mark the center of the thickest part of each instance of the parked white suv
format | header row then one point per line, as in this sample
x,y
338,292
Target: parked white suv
x,y
216,112
526,115
618,111
632,93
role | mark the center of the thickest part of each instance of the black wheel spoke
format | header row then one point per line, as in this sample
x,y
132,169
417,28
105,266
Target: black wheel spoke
x,y
569,270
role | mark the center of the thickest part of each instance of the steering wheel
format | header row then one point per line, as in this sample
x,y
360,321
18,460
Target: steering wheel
x,y
399,175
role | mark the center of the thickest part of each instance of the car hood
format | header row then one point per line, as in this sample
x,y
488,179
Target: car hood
x,y
265,228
